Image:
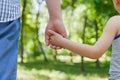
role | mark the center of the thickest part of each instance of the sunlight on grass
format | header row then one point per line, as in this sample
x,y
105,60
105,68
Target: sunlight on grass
x,y
57,70
53,75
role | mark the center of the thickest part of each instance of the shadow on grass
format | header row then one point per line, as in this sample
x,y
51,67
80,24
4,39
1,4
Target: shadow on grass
x,y
71,69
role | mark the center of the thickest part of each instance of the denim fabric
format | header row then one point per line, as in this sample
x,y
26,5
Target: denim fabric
x,y
9,35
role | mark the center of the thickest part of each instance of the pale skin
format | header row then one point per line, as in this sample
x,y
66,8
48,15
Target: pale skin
x,y
117,5
55,21
95,51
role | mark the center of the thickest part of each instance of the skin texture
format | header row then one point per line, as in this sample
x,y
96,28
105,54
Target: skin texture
x,y
55,21
117,5
95,51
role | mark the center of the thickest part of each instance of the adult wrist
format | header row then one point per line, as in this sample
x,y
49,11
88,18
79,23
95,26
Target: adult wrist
x,y
55,19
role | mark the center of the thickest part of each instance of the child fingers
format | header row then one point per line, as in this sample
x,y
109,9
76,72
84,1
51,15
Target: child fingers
x,y
52,32
52,46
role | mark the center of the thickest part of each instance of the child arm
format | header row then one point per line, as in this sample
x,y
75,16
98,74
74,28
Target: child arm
x,y
90,51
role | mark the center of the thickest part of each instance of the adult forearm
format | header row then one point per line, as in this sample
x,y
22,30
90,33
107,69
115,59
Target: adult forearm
x,y
54,9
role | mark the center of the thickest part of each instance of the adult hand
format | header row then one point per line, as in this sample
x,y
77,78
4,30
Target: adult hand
x,y
58,27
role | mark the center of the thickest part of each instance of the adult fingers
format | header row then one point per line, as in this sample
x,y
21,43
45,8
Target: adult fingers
x,y
47,37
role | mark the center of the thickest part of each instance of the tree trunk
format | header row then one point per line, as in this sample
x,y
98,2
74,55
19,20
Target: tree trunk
x,y
37,37
96,30
55,55
71,54
22,30
83,38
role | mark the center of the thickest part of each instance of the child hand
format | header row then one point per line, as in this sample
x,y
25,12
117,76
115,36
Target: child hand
x,y
55,38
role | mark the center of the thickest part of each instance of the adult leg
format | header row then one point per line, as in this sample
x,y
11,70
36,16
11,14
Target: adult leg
x,y
9,36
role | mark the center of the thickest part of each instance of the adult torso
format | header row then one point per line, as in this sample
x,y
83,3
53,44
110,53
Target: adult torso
x,y
9,10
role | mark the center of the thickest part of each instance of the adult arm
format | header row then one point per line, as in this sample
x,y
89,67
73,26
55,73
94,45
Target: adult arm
x,y
55,20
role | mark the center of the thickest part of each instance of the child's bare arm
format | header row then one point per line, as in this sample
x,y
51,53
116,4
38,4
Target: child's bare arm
x,y
94,51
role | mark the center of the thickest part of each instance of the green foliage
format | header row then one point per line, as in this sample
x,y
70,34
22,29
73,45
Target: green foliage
x,y
74,12
74,15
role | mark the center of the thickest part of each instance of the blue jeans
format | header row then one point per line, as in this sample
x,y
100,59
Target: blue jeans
x,y
9,35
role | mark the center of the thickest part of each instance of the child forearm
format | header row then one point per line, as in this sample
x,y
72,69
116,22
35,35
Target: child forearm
x,y
54,9
82,49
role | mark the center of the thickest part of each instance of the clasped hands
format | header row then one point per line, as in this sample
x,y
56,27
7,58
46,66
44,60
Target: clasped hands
x,y
54,30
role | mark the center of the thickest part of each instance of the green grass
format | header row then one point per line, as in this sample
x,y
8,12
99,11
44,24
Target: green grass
x,y
59,70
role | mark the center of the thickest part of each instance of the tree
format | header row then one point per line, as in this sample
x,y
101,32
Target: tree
x,y
22,29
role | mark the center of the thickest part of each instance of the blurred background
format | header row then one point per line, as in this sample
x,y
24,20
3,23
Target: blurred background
x,y
84,21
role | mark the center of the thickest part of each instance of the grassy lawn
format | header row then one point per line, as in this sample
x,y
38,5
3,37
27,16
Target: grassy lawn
x,y
59,70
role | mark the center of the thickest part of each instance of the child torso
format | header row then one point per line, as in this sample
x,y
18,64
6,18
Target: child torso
x,y
115,58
